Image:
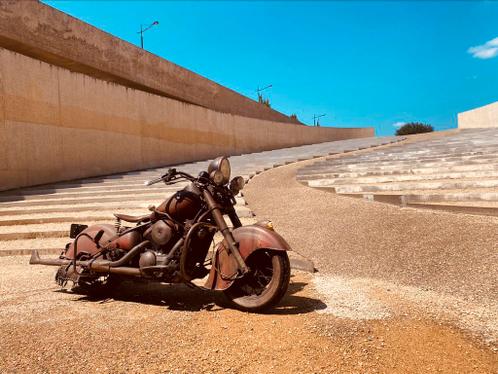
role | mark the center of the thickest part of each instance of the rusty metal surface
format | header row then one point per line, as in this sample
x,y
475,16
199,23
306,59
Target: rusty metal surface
x,y
249,238
85,244
181,206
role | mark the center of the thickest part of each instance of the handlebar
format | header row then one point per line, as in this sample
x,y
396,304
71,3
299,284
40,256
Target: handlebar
x,y
153,181
171,176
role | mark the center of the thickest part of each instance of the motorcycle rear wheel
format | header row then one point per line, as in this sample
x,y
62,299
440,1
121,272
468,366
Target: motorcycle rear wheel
x,y
264,286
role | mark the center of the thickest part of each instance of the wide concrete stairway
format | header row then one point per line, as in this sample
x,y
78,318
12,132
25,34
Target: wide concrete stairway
x,y
39,217
455,173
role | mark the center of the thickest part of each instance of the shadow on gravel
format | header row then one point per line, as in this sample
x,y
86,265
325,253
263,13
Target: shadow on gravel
x,y
183,298
172,296
297,304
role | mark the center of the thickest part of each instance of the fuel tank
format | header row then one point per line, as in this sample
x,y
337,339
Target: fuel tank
x,y
183,205
124,242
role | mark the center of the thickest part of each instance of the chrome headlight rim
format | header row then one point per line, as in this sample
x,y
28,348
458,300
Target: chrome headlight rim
x,y
222,165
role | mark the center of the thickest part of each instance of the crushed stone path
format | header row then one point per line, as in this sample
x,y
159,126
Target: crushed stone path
x,y
175,329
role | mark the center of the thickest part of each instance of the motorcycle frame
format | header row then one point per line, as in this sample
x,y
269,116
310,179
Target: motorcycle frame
x,y
230,254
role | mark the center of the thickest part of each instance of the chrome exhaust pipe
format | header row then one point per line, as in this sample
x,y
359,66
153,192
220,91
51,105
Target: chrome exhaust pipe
x,y
97,266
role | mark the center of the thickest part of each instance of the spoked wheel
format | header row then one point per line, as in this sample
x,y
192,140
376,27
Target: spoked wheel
x,y
265,285
85,283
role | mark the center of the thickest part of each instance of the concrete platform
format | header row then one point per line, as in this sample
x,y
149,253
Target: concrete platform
x,y
455,173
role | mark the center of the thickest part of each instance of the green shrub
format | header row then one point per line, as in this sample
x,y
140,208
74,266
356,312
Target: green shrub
x,y
414,128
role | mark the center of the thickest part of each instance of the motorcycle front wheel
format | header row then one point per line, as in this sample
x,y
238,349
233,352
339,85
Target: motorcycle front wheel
x,y
264,286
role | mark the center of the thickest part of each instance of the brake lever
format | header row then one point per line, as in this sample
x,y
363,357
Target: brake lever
x,y
164,178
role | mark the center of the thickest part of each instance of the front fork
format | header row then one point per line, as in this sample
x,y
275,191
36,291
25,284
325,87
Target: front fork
x,y
225,231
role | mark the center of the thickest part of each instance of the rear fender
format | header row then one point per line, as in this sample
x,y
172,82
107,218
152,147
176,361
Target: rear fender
x,y
86,245
250,239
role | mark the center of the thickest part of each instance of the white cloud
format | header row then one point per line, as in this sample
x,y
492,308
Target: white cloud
x,y
398,124
486,50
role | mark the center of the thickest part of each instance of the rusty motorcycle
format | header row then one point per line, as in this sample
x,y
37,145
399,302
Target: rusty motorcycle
x,y
171,244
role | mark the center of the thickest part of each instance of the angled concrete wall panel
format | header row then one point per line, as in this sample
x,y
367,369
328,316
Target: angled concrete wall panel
x,y
56,124
482,117
42,32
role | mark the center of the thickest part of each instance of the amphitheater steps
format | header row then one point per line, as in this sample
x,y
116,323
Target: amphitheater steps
x,y
402,187
324,180
39,217
454,173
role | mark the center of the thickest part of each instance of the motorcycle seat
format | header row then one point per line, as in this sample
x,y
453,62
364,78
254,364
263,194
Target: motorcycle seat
x,y
133,219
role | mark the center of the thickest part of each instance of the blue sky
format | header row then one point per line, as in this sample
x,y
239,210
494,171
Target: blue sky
x,y
362,63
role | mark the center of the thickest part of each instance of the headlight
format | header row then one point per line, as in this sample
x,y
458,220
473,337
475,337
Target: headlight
x,y
222,165
217,177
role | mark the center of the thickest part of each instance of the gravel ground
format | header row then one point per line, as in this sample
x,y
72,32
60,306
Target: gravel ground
x,y
174,329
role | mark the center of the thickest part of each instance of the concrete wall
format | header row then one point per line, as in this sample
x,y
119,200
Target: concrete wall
x,y
42,32
485,116
59,125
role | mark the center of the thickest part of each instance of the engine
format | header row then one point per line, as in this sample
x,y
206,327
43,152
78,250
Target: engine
x,y
159,260
162,259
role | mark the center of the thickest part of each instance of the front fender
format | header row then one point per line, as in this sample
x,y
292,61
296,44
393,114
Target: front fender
x,y
249,238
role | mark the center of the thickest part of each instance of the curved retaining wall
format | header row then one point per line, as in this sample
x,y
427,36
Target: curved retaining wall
x,y
60,125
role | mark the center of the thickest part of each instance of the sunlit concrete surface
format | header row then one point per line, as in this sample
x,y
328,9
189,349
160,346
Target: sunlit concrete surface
x,y
39,217
457,173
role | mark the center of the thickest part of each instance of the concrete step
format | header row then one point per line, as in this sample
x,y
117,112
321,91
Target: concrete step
x,y
38,231
59,226
96,215
324,178
321,179
44,246
400,165
422,159
432,196
88,189
419,154
85,206
347,173
412,186
118,198
81,195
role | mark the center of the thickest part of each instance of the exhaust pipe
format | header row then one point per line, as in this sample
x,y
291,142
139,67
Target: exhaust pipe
x,y
97,266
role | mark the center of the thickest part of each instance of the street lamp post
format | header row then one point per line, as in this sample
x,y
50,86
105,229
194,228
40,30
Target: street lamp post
x,y
258,90
142,30
316,121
